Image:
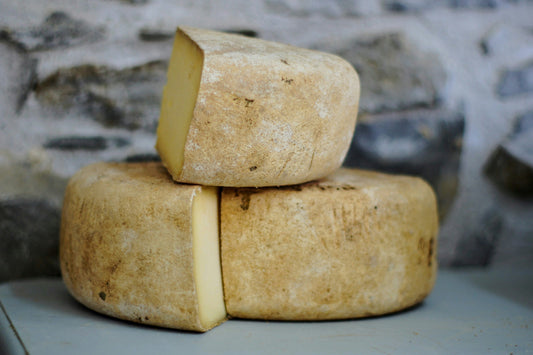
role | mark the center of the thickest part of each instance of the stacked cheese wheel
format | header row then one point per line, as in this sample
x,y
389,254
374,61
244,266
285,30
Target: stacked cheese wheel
x,y
250,214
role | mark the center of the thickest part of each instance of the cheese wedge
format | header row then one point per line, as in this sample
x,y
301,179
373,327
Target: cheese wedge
x,y
137,246
355,244
239,111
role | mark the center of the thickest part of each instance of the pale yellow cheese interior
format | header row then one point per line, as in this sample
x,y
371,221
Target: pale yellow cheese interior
x,y
206,254
178,102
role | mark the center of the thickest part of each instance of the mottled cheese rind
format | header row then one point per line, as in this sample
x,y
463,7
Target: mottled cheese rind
x,y
126,246
266,114
355,244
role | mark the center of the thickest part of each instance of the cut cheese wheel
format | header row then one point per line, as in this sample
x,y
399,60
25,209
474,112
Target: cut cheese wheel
x,y
355,244
137,246
239,111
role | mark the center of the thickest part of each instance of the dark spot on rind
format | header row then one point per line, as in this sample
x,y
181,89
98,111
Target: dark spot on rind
x,y
290,188
247,102
431,251
115,266
421,244
245,194
287,80
102,295
245,202
323,185
284,61
252,168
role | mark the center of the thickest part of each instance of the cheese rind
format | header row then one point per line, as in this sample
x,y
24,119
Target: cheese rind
x,y
131,242
354,244
265,114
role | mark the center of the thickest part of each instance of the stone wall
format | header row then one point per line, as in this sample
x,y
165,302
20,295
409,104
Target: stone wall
x,y
447,94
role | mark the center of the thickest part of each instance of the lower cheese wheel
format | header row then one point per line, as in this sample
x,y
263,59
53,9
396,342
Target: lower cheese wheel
x,y
352,245
137,246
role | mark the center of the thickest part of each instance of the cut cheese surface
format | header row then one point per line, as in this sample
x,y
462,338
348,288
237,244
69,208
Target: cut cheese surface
x,y
239,111
354,244
179,99
206,253
137,246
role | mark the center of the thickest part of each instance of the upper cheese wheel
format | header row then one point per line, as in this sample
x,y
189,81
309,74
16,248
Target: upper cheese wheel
x,y
355,244
239,111
137,246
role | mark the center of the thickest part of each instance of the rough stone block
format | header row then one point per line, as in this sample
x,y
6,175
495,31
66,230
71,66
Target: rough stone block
x,y
510,166
85,143
58,30
516,81
507,39
426,143
394,74
29,230
478,242
128,98
18,73
424,5
332,8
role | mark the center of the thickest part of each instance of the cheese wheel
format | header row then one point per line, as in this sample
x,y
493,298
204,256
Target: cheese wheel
x,y
137,246
355,244
240,111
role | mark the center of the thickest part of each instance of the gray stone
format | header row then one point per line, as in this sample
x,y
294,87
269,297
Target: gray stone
x,y
243,32
510,166
135,2
128,98
516,81
331,8
57,30
18,73
505,39
426,143
407,5
156,34
86,143
424,5
29,231
143,157
479,241
473,4
32,177
394,74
